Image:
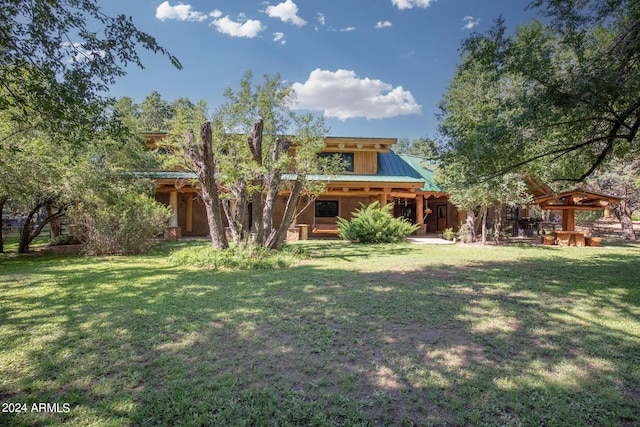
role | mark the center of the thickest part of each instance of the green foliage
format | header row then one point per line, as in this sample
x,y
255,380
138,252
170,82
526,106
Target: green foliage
x,y
557,99
588,218
448,234
125,227
373,224
58,60
420,147
256,137
238,257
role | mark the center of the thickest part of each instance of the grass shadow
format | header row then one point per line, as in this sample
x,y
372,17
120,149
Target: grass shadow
x,y
414,335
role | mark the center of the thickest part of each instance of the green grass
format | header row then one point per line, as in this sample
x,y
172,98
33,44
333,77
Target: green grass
x,y
357,335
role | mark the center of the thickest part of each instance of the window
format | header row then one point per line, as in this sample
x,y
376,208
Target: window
x,y
327,208
512,213
347,159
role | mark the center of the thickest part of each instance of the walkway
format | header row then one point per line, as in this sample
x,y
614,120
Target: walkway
x,y
431,239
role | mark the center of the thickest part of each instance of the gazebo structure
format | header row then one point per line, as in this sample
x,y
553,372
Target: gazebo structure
x,y
569,202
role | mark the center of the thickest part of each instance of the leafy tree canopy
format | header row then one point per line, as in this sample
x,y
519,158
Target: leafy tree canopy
x,y
557,100
57,60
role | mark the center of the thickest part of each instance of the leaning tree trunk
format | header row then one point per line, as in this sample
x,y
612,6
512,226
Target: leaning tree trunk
x,y
289,213
204,162
27,230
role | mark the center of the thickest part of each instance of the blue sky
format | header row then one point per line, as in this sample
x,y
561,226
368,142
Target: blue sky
x,y
374,68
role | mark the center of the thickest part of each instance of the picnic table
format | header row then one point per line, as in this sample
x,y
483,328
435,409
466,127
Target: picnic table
x,y
569,202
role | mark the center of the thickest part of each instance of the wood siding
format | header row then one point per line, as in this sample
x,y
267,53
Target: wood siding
x,y
365,163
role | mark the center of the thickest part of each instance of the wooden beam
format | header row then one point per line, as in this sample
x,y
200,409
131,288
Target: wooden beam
x,y
572,207
402,195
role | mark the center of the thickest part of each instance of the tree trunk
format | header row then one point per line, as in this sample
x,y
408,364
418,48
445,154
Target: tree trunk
x,y
483,222
470,226
233,226
3,200
273,181
623,212
28,233
257,202
55,229
289,213
269,205
497,226
204,162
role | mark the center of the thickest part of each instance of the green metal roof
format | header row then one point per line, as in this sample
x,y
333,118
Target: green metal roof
x,y
391,168
424,167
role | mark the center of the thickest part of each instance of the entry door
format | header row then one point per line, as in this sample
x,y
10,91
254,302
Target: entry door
x,y
442,217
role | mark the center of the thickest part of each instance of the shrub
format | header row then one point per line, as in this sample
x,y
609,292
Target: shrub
x,y
123,228
247,257
374,224
448,234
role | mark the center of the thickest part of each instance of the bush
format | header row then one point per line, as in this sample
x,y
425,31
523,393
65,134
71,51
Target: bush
x,y
372,224
248,257
123,228
448,234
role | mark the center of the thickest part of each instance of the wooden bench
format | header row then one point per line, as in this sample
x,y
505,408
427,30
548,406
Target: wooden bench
x,y
570,238
325,229
593,241
547,240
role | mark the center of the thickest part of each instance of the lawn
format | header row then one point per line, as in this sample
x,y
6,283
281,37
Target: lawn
x,y
357,335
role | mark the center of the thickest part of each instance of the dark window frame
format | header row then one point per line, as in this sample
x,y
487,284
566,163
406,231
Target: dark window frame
x,y
327,208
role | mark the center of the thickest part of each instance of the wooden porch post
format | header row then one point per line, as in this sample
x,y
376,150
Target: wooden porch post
x,y
420,214
189,219
173,231
569,219
173,203
569,216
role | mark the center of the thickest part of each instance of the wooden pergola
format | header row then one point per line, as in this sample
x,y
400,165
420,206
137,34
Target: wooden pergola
x,y
569,202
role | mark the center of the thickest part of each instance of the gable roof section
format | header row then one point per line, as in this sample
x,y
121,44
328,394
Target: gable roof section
x,y
424,168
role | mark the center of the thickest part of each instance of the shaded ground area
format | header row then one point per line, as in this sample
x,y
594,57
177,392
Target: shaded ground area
x,y
392,335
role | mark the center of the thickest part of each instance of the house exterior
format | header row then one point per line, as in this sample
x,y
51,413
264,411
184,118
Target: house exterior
x,y
373,173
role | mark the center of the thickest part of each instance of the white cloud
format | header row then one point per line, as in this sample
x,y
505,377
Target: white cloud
x,y
321,18
347,29
278,37
180,12
81,54
383,24
343,95
248,29
470,22
287,12
410,4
